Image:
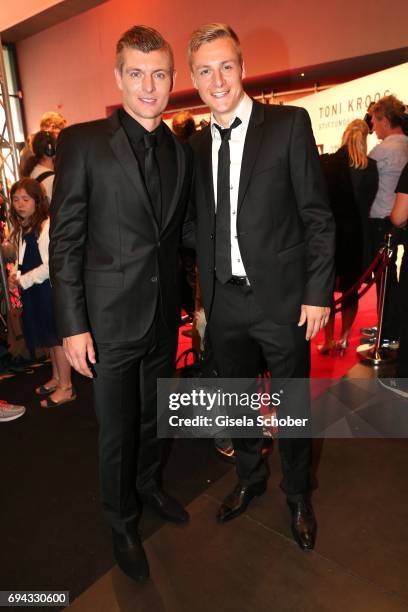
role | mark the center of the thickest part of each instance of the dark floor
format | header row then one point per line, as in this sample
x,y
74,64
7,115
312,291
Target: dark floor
x,y
53,534
359,564
51,528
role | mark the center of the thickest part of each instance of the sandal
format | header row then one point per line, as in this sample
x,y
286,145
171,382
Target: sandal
x,y
342,346
50,403
44,391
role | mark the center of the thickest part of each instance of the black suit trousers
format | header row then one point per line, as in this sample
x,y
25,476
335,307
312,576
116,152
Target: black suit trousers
x,y
238,331
125,399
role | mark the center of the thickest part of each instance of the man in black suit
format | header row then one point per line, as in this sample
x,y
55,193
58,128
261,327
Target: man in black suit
x,y
119,201
265,246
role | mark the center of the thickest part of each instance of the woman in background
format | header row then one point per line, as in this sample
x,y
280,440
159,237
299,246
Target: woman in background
x,y
352,181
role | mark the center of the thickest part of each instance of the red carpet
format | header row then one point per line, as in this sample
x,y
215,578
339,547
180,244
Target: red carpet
x,y
328,366
336,366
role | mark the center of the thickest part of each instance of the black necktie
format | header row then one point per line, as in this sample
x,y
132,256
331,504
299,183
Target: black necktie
x,y
152,175
223,267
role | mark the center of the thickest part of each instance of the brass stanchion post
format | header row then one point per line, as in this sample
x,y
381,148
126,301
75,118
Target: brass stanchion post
x,y
377,355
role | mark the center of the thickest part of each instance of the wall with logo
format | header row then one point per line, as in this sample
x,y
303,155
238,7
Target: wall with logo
x,y
332,110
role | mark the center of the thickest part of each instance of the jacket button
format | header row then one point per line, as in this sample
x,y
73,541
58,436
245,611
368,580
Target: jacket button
x,y
154,279
212,236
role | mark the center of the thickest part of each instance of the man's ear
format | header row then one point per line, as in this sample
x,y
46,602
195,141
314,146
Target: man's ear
x,y
173,79
243,71
118,78
193,80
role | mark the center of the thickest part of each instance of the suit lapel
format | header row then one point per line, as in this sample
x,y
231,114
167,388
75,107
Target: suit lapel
x,y
251,147
123,152
181,171
205,156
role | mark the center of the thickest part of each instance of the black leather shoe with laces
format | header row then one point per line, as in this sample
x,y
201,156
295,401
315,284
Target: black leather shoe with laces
x,y
237,502
303,524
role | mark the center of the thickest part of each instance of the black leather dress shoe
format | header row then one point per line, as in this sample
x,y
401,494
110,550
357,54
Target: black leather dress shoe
x,y
165,505
304,524
130,556
237,502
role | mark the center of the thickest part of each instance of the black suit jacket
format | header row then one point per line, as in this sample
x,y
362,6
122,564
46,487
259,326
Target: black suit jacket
x,y
109,261
284,224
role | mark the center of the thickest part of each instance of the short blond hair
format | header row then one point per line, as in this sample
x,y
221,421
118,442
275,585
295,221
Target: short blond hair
x,y
52,119
355,139
391,108
209,32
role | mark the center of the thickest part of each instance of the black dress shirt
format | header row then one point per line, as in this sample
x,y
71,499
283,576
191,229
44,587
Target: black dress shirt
x,y
165,155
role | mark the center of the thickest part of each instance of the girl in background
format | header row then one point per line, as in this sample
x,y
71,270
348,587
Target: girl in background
x,y
30,235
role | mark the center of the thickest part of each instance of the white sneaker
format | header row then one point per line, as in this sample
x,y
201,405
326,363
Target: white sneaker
x,y
10,412
392,344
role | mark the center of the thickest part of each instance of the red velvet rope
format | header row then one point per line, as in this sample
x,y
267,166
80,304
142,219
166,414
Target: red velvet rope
x,y
373,272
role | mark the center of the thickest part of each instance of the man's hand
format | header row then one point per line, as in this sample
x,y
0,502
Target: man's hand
x,y
77,349
316,317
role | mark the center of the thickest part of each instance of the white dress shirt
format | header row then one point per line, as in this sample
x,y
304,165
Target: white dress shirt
x,y
236,146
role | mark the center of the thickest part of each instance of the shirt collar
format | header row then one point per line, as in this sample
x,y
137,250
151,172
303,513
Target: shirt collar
x,y
243,111
135,131
397,137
